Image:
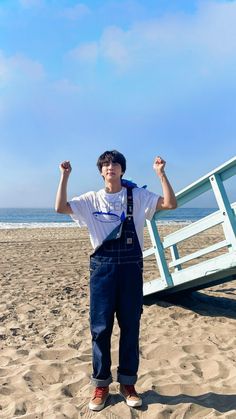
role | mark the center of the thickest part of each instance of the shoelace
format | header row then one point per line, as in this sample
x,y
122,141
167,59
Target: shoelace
x,y
100,391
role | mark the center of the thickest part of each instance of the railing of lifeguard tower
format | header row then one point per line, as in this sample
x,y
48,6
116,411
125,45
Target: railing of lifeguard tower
x,y
225,216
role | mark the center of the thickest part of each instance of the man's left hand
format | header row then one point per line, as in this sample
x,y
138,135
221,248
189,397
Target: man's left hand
x,y
159,165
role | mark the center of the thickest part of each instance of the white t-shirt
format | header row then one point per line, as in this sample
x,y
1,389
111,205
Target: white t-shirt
x,y
101,212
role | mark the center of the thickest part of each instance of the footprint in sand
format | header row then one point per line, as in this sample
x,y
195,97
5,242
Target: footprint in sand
x,y
72,389
59,354
4,372
7,411
20,409
186,364
22,352
6,390
44,375
6,360
211,370
199,349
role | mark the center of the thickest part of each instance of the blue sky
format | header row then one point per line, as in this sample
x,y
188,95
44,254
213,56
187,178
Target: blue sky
x,y
145,77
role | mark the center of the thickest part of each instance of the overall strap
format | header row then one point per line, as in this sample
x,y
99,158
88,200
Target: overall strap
x,y
129,202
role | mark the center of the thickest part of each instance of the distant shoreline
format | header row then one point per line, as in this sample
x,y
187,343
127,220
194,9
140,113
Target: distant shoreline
x,y
71,224
13,218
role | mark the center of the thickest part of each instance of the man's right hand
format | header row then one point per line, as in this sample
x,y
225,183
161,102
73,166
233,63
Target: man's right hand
x,y
65,167
61,204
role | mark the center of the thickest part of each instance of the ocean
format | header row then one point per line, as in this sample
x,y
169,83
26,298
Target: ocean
x,y
47,217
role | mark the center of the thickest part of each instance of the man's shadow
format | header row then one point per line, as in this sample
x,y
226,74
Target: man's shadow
x,y
220,402
203,304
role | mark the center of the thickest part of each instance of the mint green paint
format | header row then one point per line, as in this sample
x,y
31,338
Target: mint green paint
x,y
200,274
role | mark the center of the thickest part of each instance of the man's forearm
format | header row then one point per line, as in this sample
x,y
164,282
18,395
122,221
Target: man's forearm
x,y
61,197
168,193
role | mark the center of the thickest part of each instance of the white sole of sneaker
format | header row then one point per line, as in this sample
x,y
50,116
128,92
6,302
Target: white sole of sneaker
x,y
97,407
132,403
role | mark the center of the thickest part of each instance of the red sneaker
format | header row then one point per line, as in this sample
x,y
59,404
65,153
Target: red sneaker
x,y
99,398
131,396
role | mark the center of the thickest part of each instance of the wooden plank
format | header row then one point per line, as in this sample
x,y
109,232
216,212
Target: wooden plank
x,y
175,256
192,229
156,285
199,253
208,267
200,283
159,253
229,224
149,252
203,273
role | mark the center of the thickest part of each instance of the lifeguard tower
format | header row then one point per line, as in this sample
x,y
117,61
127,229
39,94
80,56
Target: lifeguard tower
x,y
174,277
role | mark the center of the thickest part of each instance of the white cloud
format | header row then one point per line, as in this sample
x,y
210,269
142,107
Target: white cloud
x,y
19,67
208,34
87,52
66,86
30,68
76,12
2,109
3,69
114,46
27,4
215,27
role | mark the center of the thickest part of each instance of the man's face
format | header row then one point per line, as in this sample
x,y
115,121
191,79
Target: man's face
x,y
111,171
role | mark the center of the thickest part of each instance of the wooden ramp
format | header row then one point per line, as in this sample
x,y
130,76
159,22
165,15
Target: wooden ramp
x,y
174,277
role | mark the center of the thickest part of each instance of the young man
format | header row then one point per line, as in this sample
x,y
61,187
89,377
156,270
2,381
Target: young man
x,y
115,218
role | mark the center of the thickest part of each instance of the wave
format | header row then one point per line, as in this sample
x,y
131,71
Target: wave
x,y
7,226
35,225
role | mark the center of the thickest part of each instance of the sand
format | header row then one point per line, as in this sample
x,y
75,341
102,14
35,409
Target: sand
x,y
187,345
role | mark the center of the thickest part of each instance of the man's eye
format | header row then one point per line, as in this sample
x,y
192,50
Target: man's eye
x,y
108,163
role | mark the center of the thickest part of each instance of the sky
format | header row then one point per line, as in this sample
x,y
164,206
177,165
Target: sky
x,y
144,77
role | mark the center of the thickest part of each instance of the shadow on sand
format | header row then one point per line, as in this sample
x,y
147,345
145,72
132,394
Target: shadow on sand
x,y
197,301
220,402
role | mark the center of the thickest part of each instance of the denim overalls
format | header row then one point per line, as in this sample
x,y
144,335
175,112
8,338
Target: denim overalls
x,y
116,286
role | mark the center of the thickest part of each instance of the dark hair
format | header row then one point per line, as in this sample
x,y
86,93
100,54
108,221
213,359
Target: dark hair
x,y
111,156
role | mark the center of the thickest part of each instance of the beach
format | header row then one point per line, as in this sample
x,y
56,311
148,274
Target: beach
x,y
187,345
